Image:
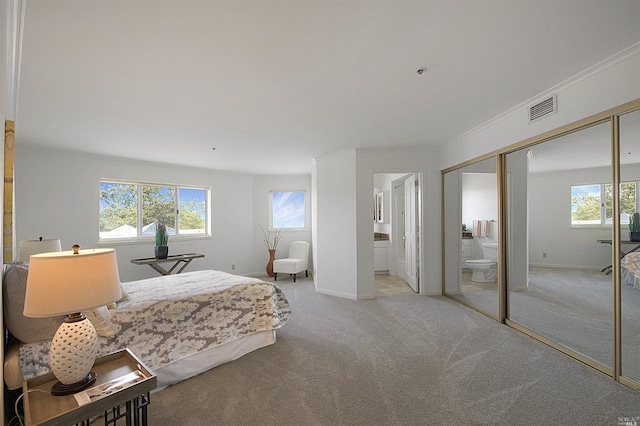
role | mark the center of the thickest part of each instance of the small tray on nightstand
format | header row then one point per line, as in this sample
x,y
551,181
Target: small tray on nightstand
x,y
45,409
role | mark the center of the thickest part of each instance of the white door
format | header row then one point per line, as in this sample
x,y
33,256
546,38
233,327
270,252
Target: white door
x,y
398,229
411,232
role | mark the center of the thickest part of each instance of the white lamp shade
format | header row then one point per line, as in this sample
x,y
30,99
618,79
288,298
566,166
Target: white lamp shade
x,y
29,247
62,282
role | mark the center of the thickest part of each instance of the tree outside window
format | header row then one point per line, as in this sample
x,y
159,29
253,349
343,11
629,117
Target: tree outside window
x,y
593,204
131,210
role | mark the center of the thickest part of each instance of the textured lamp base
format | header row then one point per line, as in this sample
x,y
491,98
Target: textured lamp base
x,y
60,389
73,352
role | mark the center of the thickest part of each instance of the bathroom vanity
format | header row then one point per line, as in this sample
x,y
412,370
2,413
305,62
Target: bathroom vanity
x,y
380,252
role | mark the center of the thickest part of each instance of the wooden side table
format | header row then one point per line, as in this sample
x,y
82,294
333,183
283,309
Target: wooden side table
x,y
177,259
128,402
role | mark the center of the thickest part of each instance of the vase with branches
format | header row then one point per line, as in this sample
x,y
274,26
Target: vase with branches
x,y
271,240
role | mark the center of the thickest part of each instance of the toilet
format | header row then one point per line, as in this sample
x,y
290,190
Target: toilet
x,y
484,270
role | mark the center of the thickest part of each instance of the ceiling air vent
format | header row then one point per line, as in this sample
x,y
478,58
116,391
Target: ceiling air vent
x,y
544,108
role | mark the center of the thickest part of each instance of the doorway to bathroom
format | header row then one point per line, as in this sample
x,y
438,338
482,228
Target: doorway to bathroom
x,y
397,201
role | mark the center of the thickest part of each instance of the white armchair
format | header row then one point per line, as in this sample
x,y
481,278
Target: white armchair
x,y
297,261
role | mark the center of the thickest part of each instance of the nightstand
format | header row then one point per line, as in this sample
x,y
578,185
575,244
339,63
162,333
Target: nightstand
x,y
127,401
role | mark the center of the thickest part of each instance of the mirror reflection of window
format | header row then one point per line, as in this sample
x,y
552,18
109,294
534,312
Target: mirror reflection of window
x,y
557,212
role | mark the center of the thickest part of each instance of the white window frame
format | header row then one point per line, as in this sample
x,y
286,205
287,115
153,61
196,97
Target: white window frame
x,y
139,198
271,207
603,206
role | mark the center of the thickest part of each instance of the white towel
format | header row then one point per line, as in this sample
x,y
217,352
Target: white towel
x,y
484,228
480,228
475,229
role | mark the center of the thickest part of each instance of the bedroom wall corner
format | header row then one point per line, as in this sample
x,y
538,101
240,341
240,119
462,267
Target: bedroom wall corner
x,y
55,203
262,184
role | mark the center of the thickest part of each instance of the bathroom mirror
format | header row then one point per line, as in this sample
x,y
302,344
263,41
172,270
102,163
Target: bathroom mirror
x,y
380,207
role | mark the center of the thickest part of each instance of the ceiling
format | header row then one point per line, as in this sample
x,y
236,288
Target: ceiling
x,y
271,84
589,148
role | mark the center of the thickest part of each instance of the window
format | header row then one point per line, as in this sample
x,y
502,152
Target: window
x,y
593,204
129,210
287,210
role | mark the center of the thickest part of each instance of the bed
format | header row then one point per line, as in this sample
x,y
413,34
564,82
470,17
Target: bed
x,y
178,325
631,269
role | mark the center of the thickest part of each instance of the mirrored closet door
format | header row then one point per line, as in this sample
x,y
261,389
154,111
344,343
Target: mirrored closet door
x,y
471,235
630,250
559,221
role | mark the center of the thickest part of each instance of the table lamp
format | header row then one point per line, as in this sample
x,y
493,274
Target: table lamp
x,y
29,247
67,283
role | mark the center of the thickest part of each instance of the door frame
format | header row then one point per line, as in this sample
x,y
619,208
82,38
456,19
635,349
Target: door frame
x,y
420,245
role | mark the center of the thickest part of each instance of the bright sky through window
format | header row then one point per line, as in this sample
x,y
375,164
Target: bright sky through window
x,y
287,209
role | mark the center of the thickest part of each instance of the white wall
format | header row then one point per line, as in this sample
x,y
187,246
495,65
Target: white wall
x,y
344,245
335,244
262,184
370,161
57,196
550,225
605,86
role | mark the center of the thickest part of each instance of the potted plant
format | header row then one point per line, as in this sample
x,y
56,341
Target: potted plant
x,y
162,238
634,227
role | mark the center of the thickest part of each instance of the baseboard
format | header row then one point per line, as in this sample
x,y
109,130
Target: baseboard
x,y
561,266
337,294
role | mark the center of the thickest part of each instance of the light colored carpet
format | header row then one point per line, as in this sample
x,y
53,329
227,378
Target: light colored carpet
x,y
395,360
572,307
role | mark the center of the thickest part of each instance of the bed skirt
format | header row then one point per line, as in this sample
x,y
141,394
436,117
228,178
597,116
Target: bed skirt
x,y
169,374
200,362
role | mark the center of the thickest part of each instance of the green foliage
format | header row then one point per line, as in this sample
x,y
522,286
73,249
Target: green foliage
x,y
118,207
588,207
627,198
162,238
158,204
634,222
190,215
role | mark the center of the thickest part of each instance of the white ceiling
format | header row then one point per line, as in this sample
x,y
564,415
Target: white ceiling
x,y
274,83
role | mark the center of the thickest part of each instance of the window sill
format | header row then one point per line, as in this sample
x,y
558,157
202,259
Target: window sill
x,y
146,241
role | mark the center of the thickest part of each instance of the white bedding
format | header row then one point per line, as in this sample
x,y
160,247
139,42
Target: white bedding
x,y
175,318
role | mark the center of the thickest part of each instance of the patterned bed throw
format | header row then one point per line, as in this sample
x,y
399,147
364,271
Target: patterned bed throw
x,y
171,317
631,269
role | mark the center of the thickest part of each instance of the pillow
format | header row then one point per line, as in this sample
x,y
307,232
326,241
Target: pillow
x,y
31,330
124,298
101,320
25,329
